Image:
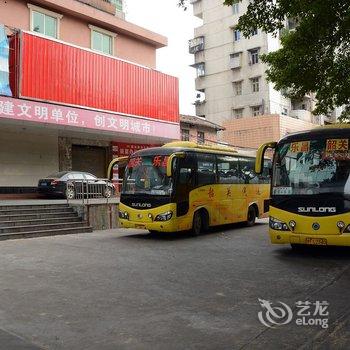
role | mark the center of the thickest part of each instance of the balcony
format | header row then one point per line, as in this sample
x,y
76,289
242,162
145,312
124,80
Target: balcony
x,y
200,69
196,45
103,5
302,115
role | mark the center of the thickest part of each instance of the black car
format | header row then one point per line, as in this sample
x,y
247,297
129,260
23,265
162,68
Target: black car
x,y
75,184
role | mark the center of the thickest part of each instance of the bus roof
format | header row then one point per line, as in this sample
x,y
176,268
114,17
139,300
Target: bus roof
x,y
187,146
333,131
194,145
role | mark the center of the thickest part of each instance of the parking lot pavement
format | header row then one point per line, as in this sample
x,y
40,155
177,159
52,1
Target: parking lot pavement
x,y
128,290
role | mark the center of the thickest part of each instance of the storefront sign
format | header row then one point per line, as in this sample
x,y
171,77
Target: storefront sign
x,y
18,109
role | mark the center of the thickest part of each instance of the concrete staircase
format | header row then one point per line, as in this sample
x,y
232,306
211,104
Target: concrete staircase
x,y
26,221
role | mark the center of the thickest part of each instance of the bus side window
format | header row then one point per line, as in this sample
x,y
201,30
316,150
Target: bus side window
x,y
228,170
247,172
206,173
185,175
186,170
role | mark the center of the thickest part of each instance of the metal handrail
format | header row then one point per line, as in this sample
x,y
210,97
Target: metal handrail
x,y
85,190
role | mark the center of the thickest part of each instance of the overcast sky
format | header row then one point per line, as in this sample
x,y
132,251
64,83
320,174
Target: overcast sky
x,y
164,17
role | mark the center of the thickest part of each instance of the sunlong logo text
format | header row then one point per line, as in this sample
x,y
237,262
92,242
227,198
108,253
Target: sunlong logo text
x,y
141,205
317,210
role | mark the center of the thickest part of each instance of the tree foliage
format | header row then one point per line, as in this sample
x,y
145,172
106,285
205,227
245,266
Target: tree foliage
x,y
315,56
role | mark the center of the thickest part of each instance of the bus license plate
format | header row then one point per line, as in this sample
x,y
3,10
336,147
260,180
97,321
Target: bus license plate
x,y
316,241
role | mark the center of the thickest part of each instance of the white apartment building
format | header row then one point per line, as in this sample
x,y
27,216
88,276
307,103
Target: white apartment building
x,y
230,74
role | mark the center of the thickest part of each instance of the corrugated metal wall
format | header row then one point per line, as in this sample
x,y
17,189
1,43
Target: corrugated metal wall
x,y
57,72
14,63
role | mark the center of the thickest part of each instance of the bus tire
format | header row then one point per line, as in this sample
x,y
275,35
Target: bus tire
x,y
251,216
197,223
205,222
200,222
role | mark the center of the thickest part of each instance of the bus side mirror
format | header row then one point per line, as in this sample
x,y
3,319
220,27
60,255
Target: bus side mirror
x,y
122,160
259,160
169,166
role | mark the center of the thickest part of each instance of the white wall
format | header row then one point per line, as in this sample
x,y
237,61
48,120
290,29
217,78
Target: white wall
x,y
26,155
217,28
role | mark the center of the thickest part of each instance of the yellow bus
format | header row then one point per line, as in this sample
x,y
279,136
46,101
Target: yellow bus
x,y
310,190
184,186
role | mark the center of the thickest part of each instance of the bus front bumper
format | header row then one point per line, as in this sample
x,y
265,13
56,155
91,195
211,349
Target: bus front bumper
x,y
278,237
311,230
160,226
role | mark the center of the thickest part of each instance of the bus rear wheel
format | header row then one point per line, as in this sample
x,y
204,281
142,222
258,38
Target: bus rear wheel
x,y
251,217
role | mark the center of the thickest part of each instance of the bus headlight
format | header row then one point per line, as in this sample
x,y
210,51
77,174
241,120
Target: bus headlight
x,y
347,230
278,225
292,224
340,225
164,216
124,215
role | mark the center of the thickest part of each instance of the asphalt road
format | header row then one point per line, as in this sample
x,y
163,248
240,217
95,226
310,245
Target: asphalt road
x,y
127,290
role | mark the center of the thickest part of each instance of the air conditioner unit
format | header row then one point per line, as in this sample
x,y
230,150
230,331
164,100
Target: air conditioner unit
x,y
235,61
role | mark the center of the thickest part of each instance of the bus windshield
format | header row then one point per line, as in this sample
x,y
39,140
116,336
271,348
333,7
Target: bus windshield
x,y
312,167
147,175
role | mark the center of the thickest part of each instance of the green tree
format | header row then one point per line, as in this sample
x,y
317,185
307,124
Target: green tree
x,y
315,56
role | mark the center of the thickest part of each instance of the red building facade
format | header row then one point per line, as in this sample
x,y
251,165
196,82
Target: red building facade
x,y
72,105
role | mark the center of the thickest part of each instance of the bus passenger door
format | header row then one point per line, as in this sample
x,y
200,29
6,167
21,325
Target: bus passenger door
x,y
184,184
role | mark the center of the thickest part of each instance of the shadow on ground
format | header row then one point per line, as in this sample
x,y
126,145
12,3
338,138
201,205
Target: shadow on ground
x,y
318,252
171,236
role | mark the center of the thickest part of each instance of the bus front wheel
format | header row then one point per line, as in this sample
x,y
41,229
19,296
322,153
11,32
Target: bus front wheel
x,y
251,217
200,222
197,225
